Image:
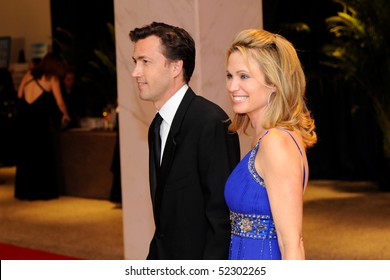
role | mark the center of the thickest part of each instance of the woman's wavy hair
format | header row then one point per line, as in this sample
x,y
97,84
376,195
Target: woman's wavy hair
x,y
278,60
50,66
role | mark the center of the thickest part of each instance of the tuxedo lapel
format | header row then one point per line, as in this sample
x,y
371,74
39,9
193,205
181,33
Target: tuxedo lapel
x,y
170,145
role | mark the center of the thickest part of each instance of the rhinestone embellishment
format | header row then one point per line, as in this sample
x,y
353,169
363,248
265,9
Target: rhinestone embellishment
x,y
252,226
246,225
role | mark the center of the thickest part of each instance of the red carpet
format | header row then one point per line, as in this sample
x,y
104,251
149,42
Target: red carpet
x,y
12,252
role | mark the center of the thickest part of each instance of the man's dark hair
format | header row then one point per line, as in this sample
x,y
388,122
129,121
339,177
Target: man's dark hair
x,y
176,42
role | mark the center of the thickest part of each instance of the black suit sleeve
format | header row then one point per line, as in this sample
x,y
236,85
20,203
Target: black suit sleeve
x,y
219,154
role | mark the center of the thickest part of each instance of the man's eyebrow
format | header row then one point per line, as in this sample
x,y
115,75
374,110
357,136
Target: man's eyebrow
x,y
139,57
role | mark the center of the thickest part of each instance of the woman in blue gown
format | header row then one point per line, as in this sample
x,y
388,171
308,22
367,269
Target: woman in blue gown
x,y
265,191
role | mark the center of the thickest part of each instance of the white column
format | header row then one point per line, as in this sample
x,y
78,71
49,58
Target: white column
x,y
213,24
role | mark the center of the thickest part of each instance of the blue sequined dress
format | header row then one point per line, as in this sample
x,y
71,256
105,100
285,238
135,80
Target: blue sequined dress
x,y
253,231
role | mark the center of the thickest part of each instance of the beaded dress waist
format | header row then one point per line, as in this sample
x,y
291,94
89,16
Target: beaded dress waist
x,y
252,226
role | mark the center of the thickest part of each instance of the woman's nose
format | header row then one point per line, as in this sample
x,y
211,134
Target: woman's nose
x,y
232,85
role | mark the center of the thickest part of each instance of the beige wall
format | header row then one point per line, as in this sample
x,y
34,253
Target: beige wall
x,y
25,20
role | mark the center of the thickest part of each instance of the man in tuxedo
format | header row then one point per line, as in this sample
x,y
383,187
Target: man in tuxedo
x,y
188,173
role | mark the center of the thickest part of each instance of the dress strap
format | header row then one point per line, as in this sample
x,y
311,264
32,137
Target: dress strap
x,y
265,133
300,151
289,133
29,81
38,83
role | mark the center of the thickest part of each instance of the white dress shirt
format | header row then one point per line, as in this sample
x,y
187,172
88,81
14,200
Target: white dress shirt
x,y
167,112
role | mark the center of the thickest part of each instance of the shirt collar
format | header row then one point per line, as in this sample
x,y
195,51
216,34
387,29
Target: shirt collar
x,y
168,110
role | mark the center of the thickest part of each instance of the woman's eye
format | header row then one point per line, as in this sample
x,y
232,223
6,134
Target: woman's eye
x,y
244,76
228,76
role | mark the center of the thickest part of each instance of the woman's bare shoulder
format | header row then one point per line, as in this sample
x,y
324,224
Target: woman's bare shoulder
x,y
275,137
27,76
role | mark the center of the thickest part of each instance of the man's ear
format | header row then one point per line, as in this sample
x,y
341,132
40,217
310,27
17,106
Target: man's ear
x,y
177,67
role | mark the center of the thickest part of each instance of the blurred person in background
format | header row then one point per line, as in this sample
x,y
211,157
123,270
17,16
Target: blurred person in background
x,y
7,118
35,169
73,97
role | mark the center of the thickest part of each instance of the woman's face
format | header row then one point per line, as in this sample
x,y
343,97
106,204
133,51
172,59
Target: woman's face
x,y
246,85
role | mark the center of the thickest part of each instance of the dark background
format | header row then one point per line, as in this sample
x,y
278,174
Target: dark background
x,y
79,28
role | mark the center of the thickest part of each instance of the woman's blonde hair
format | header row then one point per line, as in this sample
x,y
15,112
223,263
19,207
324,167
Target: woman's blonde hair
x,y
282,69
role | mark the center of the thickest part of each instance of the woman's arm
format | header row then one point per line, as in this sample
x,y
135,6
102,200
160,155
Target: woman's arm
x,y
56,89
281,166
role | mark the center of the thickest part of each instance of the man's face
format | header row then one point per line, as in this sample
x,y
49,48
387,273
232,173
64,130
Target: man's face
x,y
153,73
69,80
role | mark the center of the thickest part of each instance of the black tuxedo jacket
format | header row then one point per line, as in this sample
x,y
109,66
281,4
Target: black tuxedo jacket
x,y
191,217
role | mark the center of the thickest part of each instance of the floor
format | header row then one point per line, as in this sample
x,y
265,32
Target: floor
x,y
342,220
346,221
77,227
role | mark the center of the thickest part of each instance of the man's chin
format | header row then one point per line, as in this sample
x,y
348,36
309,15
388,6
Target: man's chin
x,y
143,96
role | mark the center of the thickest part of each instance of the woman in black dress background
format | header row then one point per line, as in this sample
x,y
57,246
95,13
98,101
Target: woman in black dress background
x,y
35,168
